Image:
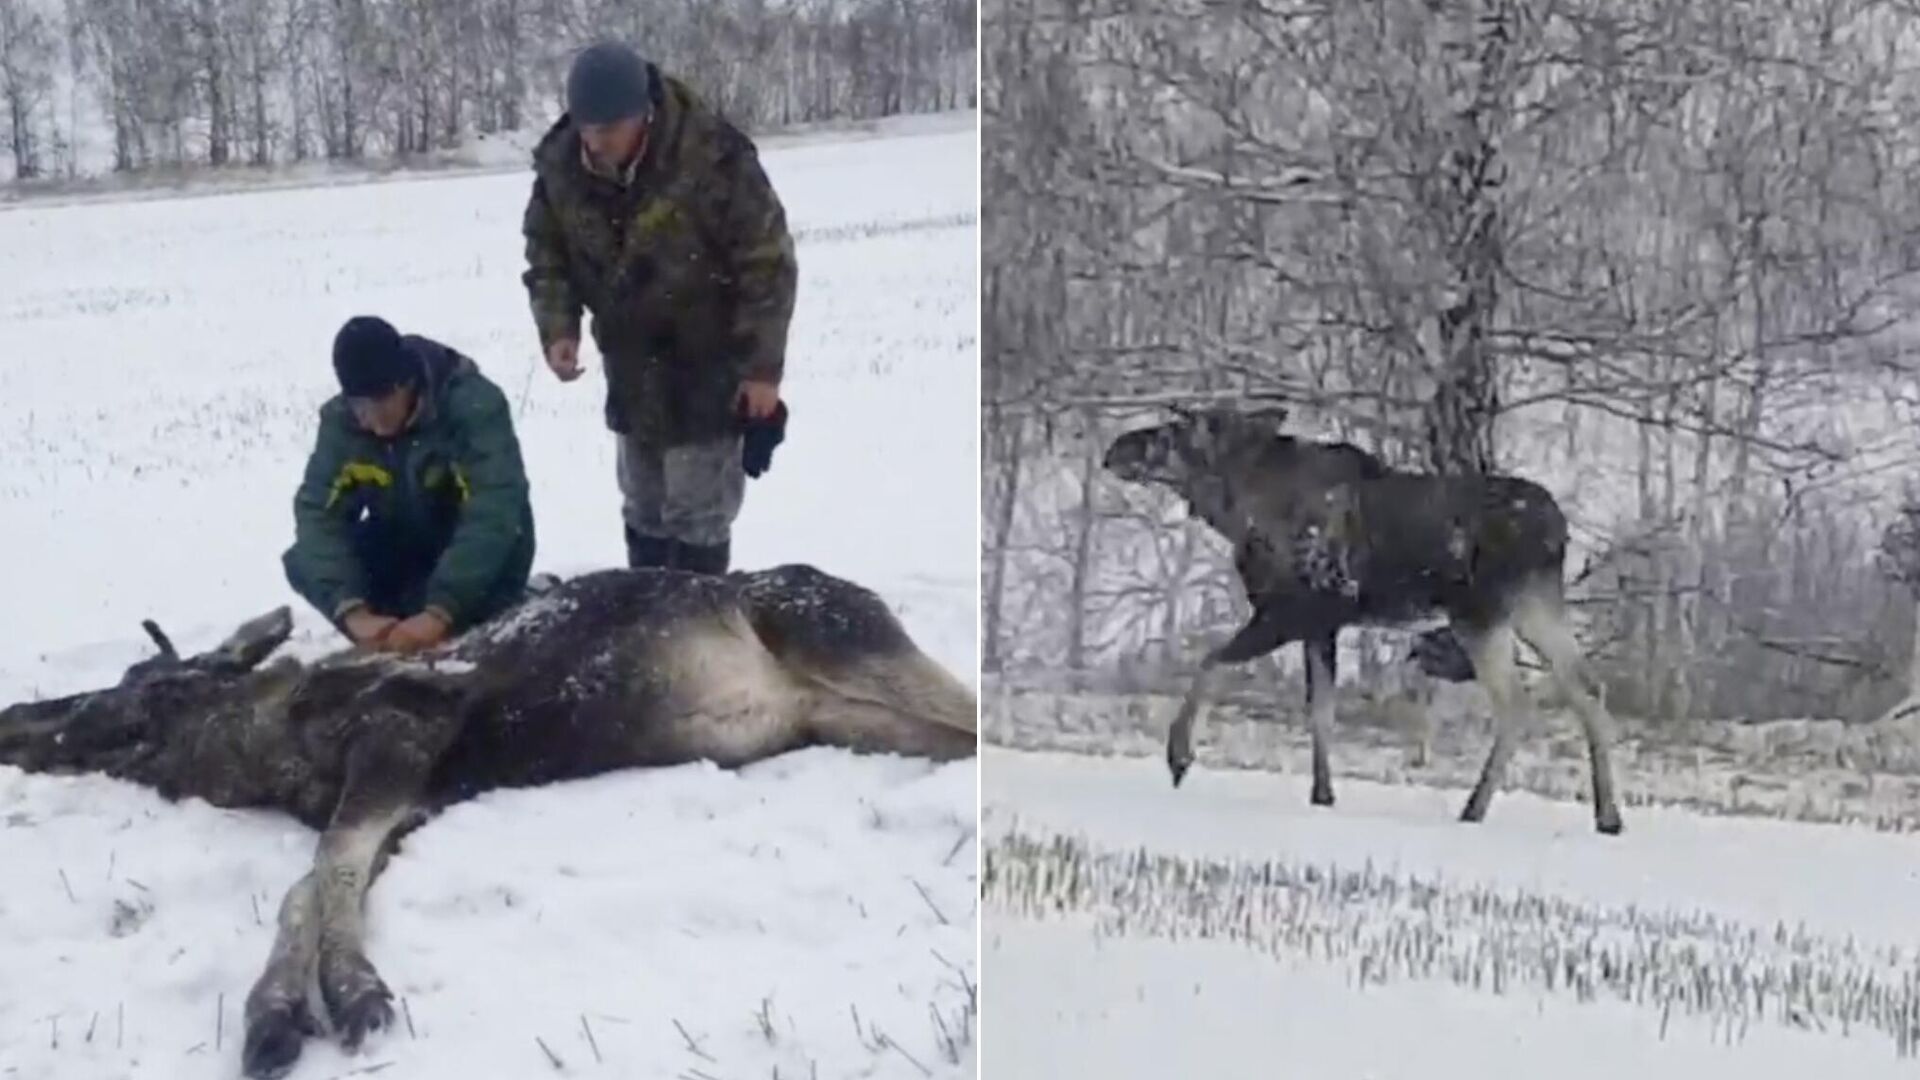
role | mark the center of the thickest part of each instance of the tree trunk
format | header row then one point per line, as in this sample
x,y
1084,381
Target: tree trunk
x,y
262,146
1913,658
21,141
1085,523
1666,591
993,602
208,29
347,31
1465,404
1643,561
1687,646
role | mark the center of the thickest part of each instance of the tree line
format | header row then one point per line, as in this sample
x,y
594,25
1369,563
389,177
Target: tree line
x,y
173,83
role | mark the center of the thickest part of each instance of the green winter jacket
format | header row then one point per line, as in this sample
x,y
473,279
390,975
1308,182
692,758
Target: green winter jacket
x,y
438,518
687,267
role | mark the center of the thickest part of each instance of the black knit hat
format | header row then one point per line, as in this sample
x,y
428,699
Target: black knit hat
x,y
370,359
607,82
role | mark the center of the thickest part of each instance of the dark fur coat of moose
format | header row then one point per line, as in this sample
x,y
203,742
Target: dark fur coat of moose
x,y
1326,536
613,669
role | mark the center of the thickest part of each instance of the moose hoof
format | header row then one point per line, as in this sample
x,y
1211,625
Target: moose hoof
x,y
273,1045
1178,767
1608,823
1321,796
362,1015
1474,812
357,1001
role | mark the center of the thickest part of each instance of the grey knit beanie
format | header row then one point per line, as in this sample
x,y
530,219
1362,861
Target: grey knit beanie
x,y
607,82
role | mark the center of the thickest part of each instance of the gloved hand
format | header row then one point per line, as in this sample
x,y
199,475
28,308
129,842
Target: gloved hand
x,y
1439,653
759,437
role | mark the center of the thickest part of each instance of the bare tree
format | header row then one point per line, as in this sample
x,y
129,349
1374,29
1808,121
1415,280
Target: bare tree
x,y
26,81
216,81
1651,253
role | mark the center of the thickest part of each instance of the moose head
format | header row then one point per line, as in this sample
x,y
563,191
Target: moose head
x,y
131,716
1194,444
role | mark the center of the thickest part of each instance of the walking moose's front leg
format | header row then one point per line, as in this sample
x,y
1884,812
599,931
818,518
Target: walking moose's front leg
x,y
1321,676
1261,635
395,735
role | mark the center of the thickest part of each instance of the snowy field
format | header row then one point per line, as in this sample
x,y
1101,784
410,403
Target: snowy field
x,y
1228,929
502,152
160,365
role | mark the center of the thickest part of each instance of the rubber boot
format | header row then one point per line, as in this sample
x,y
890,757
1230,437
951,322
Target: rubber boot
x,y
703,558
648,551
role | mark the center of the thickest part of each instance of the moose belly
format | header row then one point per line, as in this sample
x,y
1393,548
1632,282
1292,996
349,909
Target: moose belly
x,y
666,693
718,695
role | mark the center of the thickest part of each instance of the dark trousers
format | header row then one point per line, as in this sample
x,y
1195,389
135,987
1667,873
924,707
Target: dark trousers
x,y
396,577
680,503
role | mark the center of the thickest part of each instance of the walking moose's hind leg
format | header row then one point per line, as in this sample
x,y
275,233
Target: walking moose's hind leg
x,y
1538,616
1490,643
1541,619
1262,634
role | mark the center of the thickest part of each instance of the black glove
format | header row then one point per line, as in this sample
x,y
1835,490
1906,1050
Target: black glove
x,y
759,437
1439,653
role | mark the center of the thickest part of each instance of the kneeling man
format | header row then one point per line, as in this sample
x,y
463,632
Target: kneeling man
x,y
413,521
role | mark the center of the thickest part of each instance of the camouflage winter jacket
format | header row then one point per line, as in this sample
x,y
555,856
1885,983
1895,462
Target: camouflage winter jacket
x,y
687,268
443,508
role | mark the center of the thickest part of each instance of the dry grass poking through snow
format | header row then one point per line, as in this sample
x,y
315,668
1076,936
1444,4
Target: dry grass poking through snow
x,y
1383,926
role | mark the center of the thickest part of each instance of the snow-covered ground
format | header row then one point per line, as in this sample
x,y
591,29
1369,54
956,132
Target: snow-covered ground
x,y
160,364
1063,1000
1229,929
1801,770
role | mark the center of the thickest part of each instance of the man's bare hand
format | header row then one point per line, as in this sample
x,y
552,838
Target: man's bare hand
x,y
758,399
366,628
563,356
422,631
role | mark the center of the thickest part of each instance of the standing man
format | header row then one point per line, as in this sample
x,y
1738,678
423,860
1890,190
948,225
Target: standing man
x,y
651,211
412,522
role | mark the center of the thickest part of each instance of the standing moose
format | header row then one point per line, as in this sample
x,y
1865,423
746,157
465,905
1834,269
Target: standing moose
x,y
1326,536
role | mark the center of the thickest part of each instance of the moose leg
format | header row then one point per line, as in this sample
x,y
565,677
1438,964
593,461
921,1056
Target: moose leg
x,y
1542,623
278,1018
1180,735
249,644
1491,647
1321,658
352,853
391,754
1261,635
894,703
868,728
318,945
873,689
